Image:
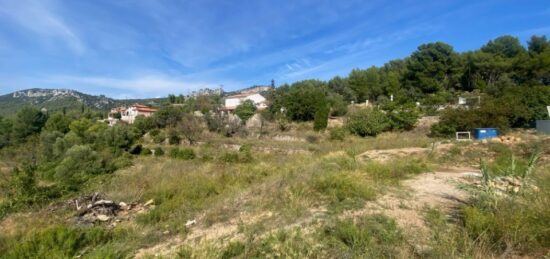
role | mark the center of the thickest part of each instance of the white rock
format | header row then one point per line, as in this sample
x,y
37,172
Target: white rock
x,y
190,223
103,218
149,202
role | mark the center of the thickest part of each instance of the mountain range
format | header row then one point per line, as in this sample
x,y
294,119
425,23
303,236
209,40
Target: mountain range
x,y
57,99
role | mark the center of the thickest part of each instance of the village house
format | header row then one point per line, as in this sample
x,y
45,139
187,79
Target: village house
x,y
129,114
232,101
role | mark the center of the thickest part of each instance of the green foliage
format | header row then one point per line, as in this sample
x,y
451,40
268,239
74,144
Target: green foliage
x,y
245,110
118,137
190,128
232,250
367,122
338,133
159,151
394,171
245,152
343,190
299,101
432,68
366,83
402,117
375,236
504,46
159,137
341,87
173,137
168,116
144,124
320,121
58,122
28,121
5,132
230,157
79,127
227,125
183,153
338,105
79,164
537,44
146,152
517,107
57,242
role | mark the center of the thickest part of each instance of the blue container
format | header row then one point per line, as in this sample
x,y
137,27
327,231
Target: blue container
x,y
485,133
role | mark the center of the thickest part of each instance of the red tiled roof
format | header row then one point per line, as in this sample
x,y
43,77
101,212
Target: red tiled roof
x,y
145,109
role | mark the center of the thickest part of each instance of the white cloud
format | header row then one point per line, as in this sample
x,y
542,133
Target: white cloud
x,y
132,87
39,17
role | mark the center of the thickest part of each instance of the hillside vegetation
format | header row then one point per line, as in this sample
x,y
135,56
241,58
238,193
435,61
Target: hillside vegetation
x,y
313,176
57,100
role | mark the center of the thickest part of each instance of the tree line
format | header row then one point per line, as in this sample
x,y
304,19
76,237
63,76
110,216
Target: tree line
x,y
511,80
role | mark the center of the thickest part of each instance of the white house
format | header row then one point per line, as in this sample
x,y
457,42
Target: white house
x,y
231,102
129,114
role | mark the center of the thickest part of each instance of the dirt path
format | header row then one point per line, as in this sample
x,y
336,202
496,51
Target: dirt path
x,y
431,190
404,205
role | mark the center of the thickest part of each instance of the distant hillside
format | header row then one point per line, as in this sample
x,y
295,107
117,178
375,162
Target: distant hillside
x,y
57,99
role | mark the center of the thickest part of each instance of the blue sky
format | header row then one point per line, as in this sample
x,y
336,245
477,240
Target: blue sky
x,y
149,48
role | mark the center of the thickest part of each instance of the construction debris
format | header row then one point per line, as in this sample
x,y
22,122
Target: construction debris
x,y
507,139
95,208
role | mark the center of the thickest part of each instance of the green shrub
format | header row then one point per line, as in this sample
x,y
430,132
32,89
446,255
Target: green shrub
x,y
245,110
375,236
159,138
79,164
245,152
173,137
233,250
57,242
230,157
338,133
402,117
343,190
367,122
320,119
184,153
119,162
159,151
146,152
395,170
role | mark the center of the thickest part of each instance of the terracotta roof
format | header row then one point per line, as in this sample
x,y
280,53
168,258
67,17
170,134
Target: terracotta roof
x,y
145,109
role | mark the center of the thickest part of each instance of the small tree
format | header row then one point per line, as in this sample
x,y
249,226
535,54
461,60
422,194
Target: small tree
x,y
245,110
321,118
79,164
190,128
28,121
367,122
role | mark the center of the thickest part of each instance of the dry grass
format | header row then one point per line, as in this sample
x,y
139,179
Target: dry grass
x,y
278,202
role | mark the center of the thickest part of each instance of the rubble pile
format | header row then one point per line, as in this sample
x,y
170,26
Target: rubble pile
x,y
507,184
507,139
96,208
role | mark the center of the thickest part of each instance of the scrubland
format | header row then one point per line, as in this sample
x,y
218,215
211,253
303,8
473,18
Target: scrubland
x,y
298,194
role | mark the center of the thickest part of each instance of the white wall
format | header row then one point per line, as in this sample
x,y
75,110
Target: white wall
x,y
232,102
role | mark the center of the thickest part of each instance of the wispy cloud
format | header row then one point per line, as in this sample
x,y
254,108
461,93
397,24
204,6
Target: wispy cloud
x,y
39,17
139,86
